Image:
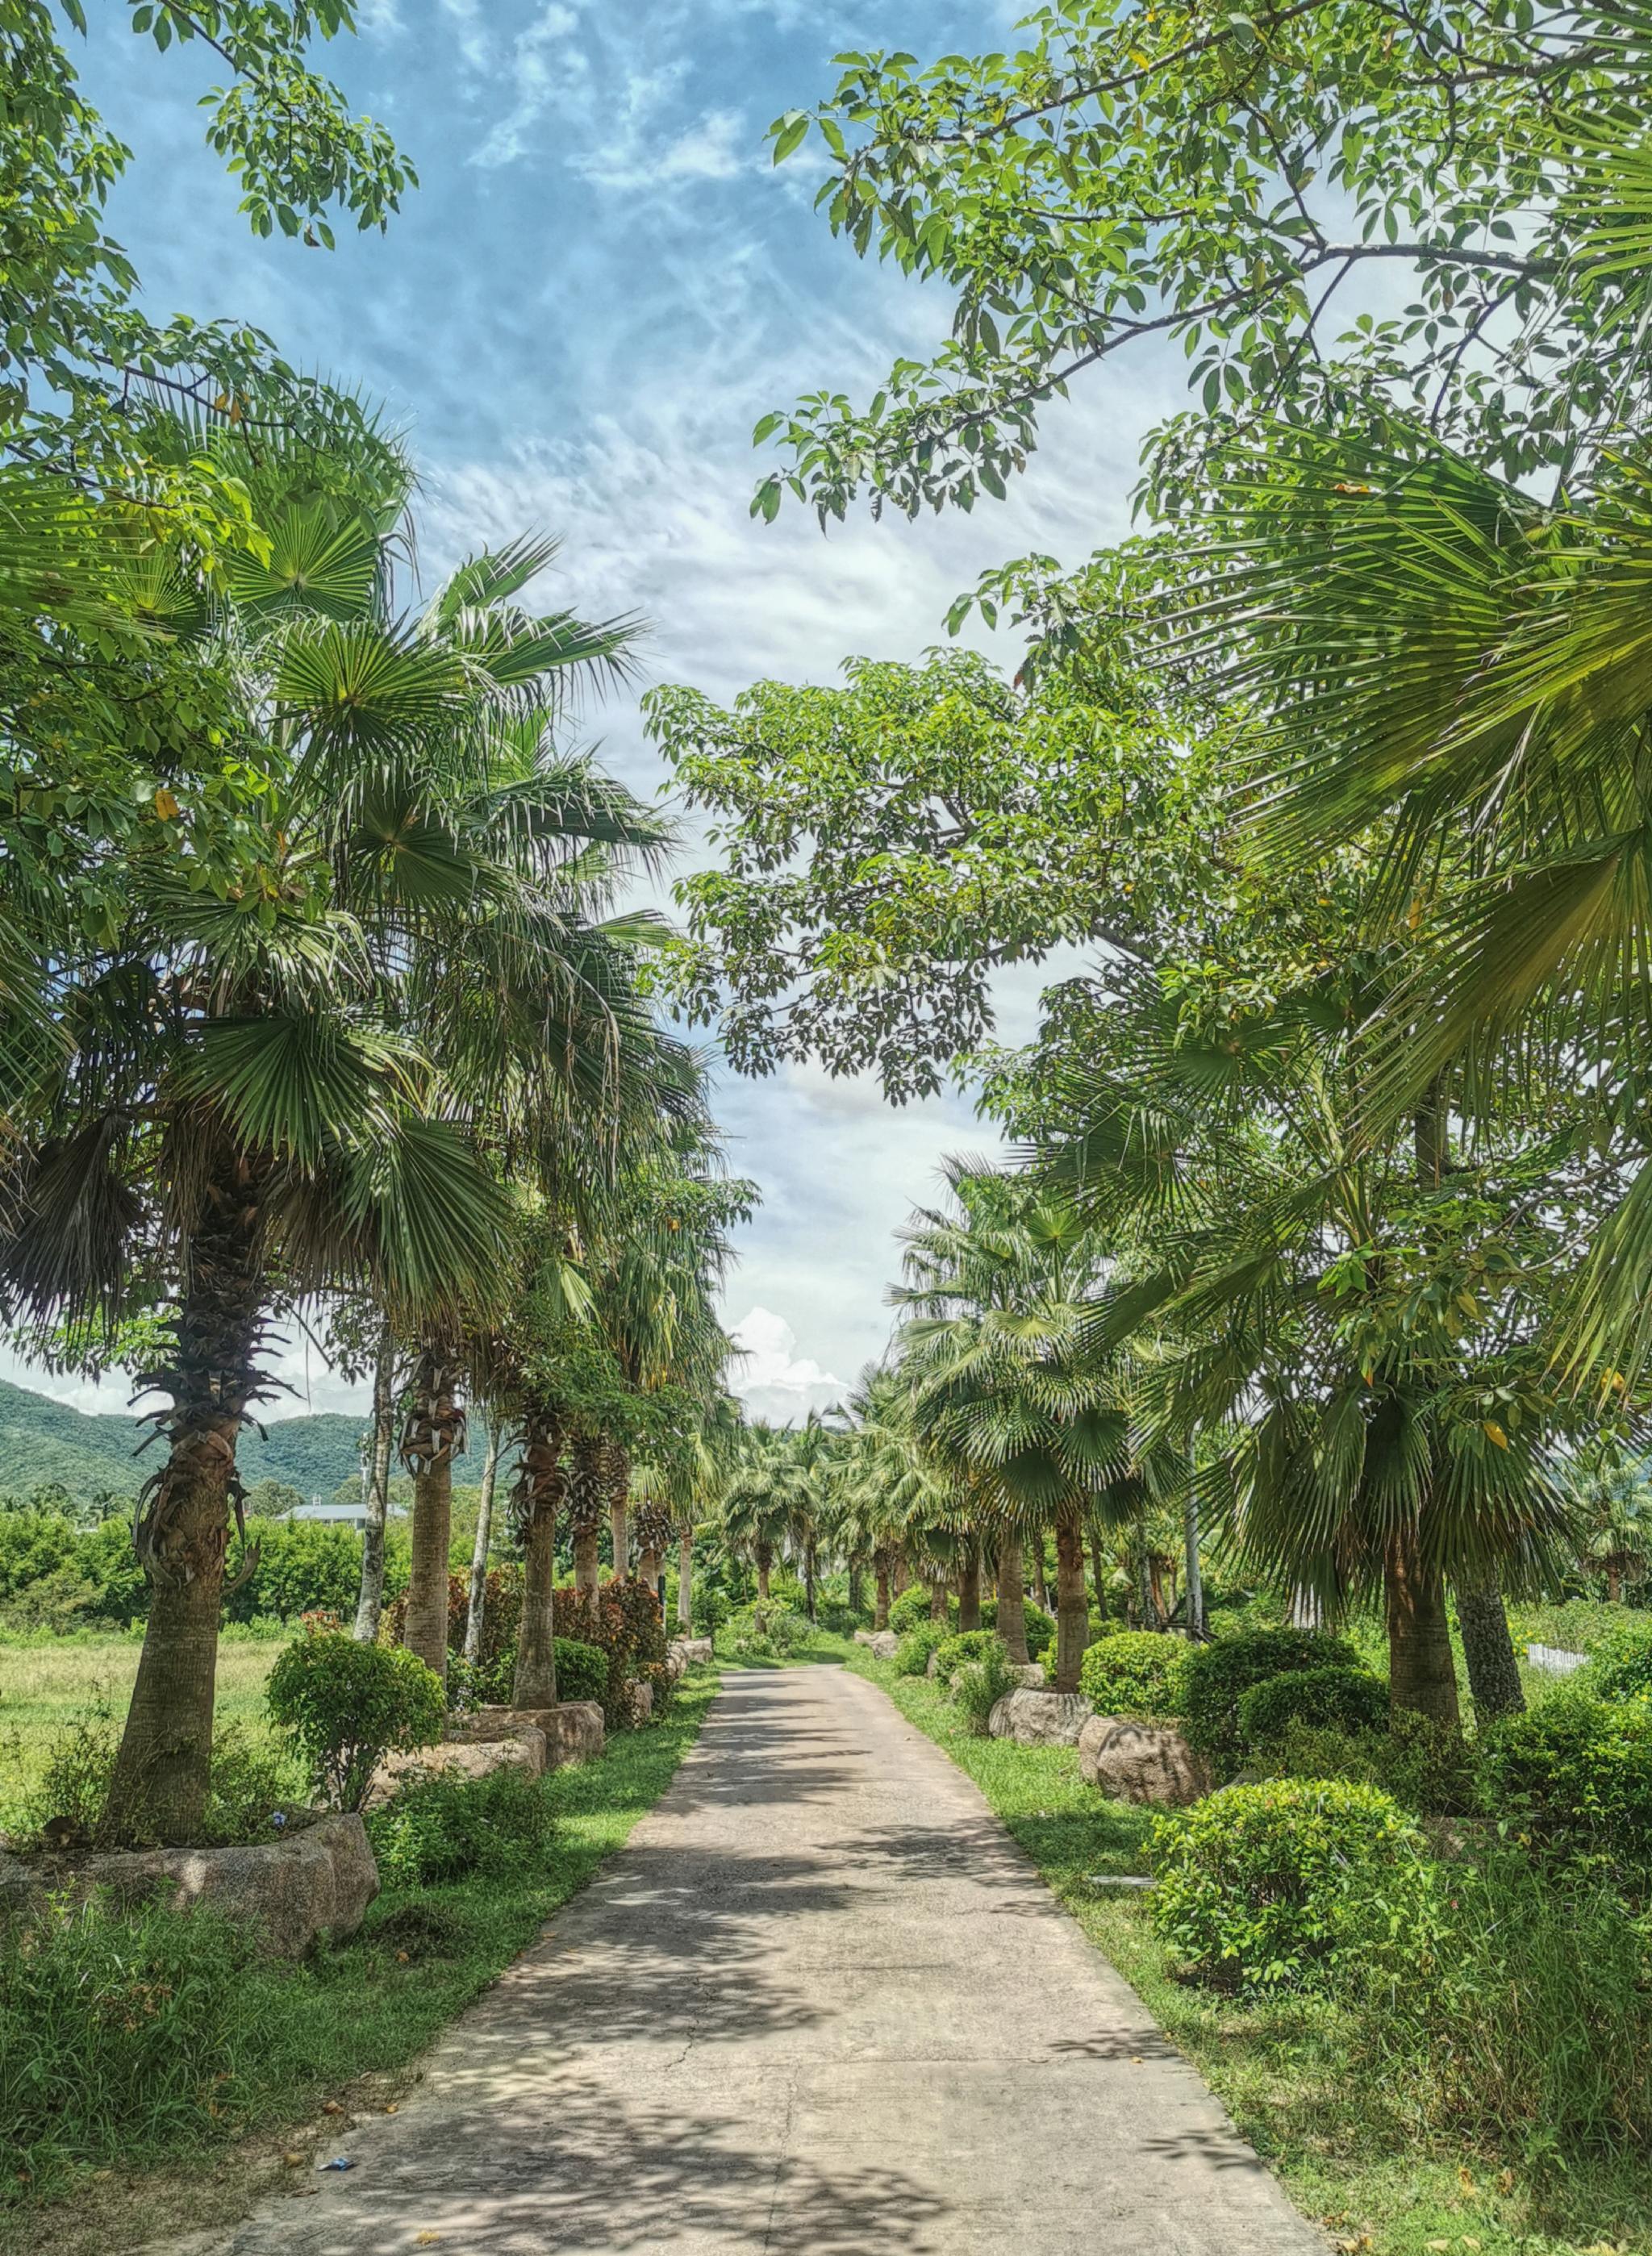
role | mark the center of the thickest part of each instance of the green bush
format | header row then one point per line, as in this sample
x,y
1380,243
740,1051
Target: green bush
x,y
345,1706
912,1654
441,1827
765,1632
1218,1675
303,1567
622,1620
913,1607
1273,1886
117,2026
582,1670
1134,1672
969,1645
1621,1665
980,1679
1574,1777
1429,1768
1349,1700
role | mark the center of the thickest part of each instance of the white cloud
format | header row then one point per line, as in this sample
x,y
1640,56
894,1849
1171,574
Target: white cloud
x,y
714,148
772,1378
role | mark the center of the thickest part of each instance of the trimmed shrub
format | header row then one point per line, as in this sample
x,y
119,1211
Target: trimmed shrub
x,y
1218,1676
1274,1886
765,1632
1574,1777
441,1827
345,1706
250,1784
1134,1672
913,1607
912,1654
1429,1768
1620,1667
116,2024
1349,1700
582,1670
968,1644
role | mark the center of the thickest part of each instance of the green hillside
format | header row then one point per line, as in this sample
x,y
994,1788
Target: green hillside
x,y
88,1452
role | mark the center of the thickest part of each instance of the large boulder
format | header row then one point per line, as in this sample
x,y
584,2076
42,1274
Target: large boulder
x,y
885,1645
676,1667
642,1701
1029,1674
22,1892
573,1730
693,1649
932,1667
1131,1761
863,1636
1039,1718
317,1882
477,1745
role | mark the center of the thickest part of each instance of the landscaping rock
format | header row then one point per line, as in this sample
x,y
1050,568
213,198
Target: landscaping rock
x,y
885,1645
477,1745
932,1667
1131,1761
642,1700
1029,1676
692,1648
21,1894
319,1881
863,1636
573,1730
676,1667
1040,1719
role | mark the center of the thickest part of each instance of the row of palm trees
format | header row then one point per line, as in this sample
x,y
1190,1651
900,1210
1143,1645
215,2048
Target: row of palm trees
x,y
317,994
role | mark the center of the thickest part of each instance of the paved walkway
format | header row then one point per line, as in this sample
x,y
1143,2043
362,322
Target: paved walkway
x,y
820,2005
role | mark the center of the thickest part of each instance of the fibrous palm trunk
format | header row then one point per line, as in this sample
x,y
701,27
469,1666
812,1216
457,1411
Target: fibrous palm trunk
x,y
585,1500
535,1500
854,1586
653,1533
478,1594
1422,1674
370,1603
1012,1601
617,1463
1493,1673
1195,1577
163,1770
1072,1612
432,1438
880,1603
1041,1585
938,1595
685,1576
810,1557
969,1589
764,1559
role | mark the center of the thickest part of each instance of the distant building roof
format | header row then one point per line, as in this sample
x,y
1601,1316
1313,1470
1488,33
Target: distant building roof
x,y
348,1515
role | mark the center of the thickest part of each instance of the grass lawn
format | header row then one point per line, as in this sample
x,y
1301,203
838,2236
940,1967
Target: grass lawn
x,y
46,1685
1338,2144
345,2026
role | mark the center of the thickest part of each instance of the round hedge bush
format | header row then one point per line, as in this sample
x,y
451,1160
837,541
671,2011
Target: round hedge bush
x,y
1134,1672
1273,1886
1320,1699
912,1654
1574,1775
913,1607
581,1671
969,1645
345,1706
1219,1674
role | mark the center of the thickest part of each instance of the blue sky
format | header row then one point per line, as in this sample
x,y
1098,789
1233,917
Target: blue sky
x,y
599,287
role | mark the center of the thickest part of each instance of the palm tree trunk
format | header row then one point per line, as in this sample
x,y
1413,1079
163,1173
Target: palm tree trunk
x,y
854,1586
539,1489
1041,1585
480,1547
1147,1604
619,1508
162,1774
1098,1571
1012,1603
433,1437
1422,1675
764,1561
1493,1673
808,1576
585,1510
969,1589
1072,1610
1615,1583
938,1595
370,1603
1194,1618
880,1603
685,1578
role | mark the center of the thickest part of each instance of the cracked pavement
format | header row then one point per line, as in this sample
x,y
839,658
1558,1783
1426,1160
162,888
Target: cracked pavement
x,y
820,2003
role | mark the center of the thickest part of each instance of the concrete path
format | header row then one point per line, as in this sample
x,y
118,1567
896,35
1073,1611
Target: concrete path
x,y
820,2005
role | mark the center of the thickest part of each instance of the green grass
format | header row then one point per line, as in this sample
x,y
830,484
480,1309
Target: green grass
x,y
45,1685
345,2023
1338,2143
